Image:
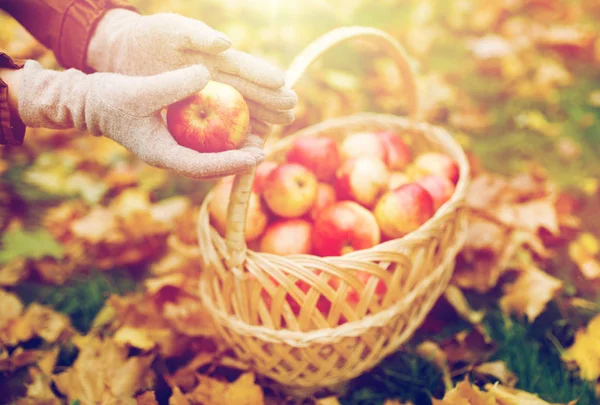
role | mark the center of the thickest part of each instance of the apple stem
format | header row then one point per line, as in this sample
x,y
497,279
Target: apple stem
x,y
202,114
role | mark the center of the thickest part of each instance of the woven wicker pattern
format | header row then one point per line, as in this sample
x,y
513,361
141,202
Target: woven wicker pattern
x,y
250,294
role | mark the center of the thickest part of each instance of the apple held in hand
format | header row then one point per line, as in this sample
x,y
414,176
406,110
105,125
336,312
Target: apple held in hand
x,y
362,144
287,237
438,163
403,210
362,179
439,187
397,152
318,154
290,190
215,119
256,220
344,227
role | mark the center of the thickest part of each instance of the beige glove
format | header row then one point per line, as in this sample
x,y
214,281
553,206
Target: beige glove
x,y
126,42
126,109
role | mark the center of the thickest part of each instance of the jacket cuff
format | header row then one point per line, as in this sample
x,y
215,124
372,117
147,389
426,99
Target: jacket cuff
x,y
12,129
78,25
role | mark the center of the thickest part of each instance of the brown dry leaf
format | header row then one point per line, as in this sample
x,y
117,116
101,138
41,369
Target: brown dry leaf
x,y
18,358
583,251
39,391
498,370
485,190
11,308
103,373
585,351
472,347
96,226
530,216
457,299
466,393
530,293
135,337
13,273
243,391
512,396
396,402
177,398
147,398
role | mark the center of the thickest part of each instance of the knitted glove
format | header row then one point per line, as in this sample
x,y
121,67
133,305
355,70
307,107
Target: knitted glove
x,y
127,110
126,42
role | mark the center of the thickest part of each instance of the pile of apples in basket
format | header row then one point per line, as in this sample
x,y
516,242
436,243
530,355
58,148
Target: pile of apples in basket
x,y
329,199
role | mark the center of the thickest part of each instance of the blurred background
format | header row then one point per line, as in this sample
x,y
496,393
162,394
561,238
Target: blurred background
x,y
517,82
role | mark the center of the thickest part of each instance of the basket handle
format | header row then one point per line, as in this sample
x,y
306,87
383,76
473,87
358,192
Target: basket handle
x,y
242,185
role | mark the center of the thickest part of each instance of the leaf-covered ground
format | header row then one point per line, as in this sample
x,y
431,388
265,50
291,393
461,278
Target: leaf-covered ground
x,y
98,257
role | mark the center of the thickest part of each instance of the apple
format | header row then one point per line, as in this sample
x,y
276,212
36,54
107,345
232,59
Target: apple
x,y
439,187
397,152
287,237
215,119
319,154
403,210
325,197
438,163
290,190
344,227
362,179
256,220
362,144
260,175
397,179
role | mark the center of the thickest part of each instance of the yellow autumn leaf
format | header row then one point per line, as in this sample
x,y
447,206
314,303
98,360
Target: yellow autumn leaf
x,y
585,351
243,391
530,293
134,337
512,396
583,251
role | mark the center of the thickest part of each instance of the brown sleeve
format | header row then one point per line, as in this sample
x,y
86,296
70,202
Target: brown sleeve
x,y
64,26
12,129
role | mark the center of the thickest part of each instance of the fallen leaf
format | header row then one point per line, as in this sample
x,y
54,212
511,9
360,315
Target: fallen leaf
x,y
583,251
147,398
103,373
499,371
11,309
530,215
135,337
585,351
456,298
18,358
530,293
328,401
177,398
512,396
96,226
13,272
243,391
471,347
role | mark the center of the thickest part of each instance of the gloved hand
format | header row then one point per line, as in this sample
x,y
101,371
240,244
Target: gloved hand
x,y
127,110
126,42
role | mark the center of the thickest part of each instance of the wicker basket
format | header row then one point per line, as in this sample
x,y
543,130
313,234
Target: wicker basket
x,y
304,350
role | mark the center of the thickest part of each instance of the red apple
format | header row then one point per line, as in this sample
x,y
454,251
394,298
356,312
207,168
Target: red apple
x,y
290,190
439,187
215,119
403,210
438,163
325,197
344,227
256,220
397,179
397,152
260,176
287,237
319,154
362,144
362,179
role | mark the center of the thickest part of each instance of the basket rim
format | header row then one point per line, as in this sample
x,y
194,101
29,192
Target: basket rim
x,y
334,333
